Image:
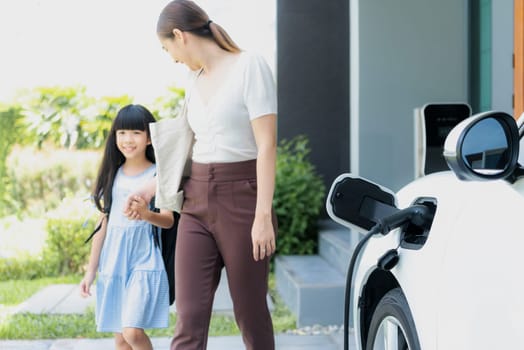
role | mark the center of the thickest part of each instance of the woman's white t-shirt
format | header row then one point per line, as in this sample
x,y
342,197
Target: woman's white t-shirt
x,y
222,125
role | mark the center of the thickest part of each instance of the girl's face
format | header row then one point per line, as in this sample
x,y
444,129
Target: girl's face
x,y
132,143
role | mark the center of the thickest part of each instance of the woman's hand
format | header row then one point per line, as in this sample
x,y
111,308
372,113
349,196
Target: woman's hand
x,y
85,284
146,192
263,237
135,206
139,208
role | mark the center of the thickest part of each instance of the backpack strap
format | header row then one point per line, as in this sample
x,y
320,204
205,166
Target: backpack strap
x,y
97,228
156,229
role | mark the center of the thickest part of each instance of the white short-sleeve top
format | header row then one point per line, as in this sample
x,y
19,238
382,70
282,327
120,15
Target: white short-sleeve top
x,y
222,125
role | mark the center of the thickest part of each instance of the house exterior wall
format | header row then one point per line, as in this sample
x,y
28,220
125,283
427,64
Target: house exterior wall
x,y
313,80
404,54
351,80
502,52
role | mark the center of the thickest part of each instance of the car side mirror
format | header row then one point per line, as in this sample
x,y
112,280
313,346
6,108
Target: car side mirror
x,y
483,147
358,203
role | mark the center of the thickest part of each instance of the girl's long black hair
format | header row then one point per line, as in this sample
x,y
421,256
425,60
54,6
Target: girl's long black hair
x,y
130,117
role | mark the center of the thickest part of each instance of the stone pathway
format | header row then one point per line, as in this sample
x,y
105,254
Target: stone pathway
x,y
65,299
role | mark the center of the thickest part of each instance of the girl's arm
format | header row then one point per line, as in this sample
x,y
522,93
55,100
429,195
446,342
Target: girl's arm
x,y
263,232
164,218
94,258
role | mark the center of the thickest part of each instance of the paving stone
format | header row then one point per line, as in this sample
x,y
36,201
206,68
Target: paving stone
x,y
46,299
282,342
25,344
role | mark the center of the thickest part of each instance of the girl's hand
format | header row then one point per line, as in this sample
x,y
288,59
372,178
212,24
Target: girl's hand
x,y
263,237
85,284
136,207
139,208
146,192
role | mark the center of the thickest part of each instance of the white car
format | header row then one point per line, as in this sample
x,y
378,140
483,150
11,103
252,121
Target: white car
x,y
440,265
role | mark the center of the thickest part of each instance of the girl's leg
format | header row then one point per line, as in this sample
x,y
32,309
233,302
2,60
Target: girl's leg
x,y
137,338
120,342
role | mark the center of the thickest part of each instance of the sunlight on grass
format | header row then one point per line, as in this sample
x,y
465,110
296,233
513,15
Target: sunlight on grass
x,y
31,326
16,291
52,326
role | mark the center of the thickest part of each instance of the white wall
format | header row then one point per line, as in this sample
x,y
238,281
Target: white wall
x,y
502,52
404,54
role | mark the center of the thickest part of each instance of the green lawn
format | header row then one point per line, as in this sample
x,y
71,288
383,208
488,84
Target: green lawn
x,y
48,326
16,291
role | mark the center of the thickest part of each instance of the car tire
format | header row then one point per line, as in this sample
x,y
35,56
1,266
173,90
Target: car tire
x,y
392,326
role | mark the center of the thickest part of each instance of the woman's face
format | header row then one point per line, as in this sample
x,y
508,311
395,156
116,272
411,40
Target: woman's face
x,y
176,47
171,46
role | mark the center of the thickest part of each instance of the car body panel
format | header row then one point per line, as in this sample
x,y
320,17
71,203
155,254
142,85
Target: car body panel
x,y
468,247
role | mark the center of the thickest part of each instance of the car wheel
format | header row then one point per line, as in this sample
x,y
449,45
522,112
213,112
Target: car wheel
x,y
392,327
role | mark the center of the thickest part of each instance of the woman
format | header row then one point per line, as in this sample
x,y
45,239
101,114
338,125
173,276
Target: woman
x,y
227,218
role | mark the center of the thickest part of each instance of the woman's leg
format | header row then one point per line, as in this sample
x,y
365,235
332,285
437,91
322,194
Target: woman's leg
x,y
120,342
197,273
137,338
247,278
248,285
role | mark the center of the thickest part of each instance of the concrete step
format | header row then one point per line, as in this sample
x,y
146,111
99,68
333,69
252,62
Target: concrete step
x,y
336,245
312,289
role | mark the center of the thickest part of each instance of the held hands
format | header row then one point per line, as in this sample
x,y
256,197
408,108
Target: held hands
x,y
263,237
85,284
136,208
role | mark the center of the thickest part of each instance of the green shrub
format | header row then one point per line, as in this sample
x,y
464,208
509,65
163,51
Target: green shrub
x,y
39,180
10,119
67,229
25,267
67,117
169,105
298,200
64,251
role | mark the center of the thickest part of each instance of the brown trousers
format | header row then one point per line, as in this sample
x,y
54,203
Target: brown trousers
x,y
215,232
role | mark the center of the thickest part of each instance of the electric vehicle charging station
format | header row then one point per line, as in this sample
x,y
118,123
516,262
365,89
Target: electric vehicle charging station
x,y
433,122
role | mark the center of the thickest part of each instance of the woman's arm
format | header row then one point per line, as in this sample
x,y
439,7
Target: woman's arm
x,y
94,258
263,232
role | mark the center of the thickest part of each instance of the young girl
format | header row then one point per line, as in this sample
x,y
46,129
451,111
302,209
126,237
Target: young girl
x,y
132,289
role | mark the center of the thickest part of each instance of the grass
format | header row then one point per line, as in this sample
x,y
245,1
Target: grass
x,y
50,326
16,291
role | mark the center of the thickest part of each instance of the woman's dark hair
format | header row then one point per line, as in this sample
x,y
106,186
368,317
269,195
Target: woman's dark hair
x,y
130,117
187,16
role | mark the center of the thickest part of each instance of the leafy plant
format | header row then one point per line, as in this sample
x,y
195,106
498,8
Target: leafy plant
x,y
67,228
67,117
169,105
64,251
24,267
10,129
299,196
39,180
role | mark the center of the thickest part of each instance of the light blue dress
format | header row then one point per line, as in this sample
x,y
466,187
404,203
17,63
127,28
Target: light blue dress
x,y
132,288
